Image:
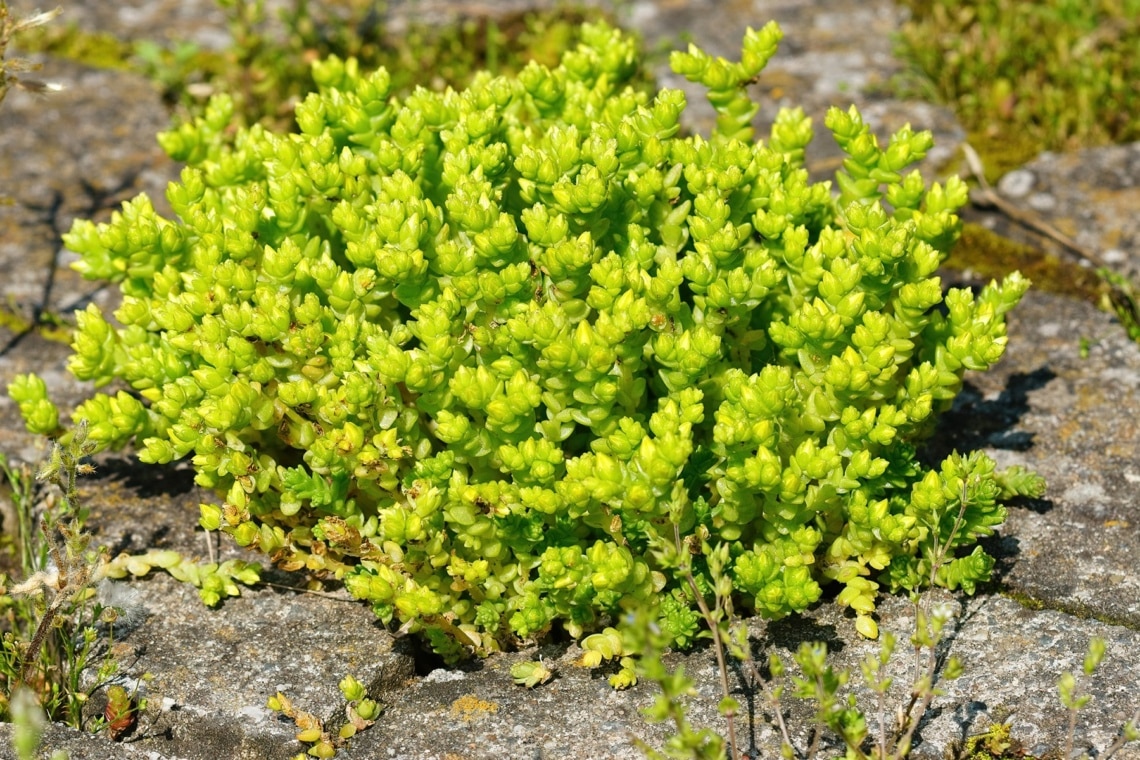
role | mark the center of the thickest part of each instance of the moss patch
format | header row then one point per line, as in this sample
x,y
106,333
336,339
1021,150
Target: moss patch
x,y
990,255
1081,611
1026,601
50,326
998,743
1002,151
1051,73
97,49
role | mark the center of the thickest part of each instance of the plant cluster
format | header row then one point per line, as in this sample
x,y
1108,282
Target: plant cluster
x,y
488,356
1031,76
360,713
865,735
57,633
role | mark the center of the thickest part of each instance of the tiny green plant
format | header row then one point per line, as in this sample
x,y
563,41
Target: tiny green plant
x,y
531,674
877,737
214,581
875,734
57,636
995,743
484,355
1074,698
28,722
820,683
121,712
360,713
1123,301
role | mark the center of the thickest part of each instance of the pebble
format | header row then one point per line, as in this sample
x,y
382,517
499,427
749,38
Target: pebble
x,y
1017,184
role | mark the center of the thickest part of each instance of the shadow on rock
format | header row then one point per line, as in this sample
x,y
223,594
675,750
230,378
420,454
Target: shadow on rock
x,y
790,632
975,423
1005,550
147,480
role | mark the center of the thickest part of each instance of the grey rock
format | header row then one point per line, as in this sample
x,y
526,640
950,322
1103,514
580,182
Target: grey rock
x,y
1042,202
820,64
214,670
76,154
197,21
1091,196
1072,419
1017,183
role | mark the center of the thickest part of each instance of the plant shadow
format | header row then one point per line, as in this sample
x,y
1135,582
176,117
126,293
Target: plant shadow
x,y
147,480
974,422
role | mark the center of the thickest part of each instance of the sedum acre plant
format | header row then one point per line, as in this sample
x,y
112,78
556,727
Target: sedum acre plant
x,y
487,355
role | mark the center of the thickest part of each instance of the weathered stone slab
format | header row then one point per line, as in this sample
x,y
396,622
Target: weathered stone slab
x,y
1013,656
214,670
1091,195
76,154
1072,418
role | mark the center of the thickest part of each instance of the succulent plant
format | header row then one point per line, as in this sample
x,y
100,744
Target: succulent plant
x,y
494,358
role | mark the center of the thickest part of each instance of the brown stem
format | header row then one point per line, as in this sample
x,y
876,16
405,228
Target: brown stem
x,y
773,701
32,652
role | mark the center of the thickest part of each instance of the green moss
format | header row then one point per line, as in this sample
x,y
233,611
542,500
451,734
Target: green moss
x,y
97,49
1003,151
1026,601
998,743
1082,611
990,255
1028,76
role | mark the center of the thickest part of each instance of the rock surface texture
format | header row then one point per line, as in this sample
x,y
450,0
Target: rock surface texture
x,y
1068,565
